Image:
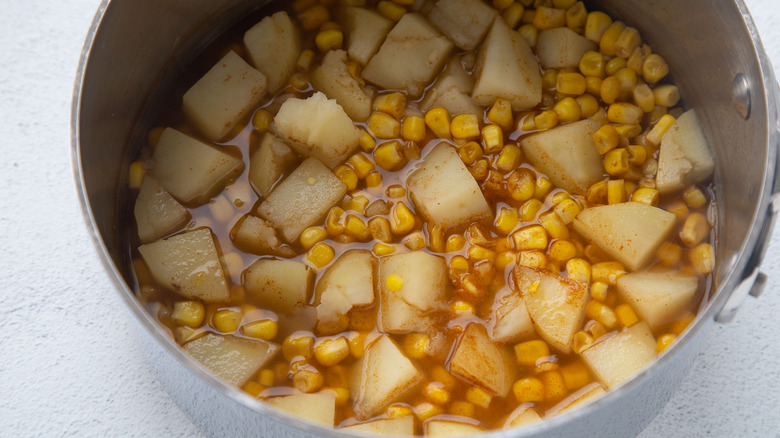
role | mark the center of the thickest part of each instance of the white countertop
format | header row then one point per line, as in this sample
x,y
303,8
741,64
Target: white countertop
x,y
69,362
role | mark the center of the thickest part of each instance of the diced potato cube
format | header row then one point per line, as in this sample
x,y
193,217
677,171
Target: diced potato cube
x,y
282,285
318,408
190,170
382,376
365,30
452,91
157,214
302,199
423,288
252,234
347,283
413,52
509,320
317,127
581,396
333,78
274,45
658,297
451,428
562,47
188,263
269,163
231,359
684,157
556,304
617,358
224,96
483,363
465,21
444,191
506,67
567,155
630,232
399,426
522,415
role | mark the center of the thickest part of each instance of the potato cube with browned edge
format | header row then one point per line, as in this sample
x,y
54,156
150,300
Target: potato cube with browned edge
x,y
319,408
658,297
506,67
617,358
231,359
556,304
348,283
254,235
188,263
684,157
269,163
333,78
411,286
483,363
224,96
157,214
562,47
365,29
381,377
465,21
509,320
282,285
302,199
398,426
190,170
317,127
411,56
274,45
567,155
452,91
630,232
440,428
444,191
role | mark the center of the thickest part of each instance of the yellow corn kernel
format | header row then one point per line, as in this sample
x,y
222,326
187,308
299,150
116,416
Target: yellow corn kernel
x,y
593,64
628,80
606,139
357,344
436,393
459,265
501,114
571,83
644,98
679,209
413,129
393,104
265,329
578,269
679,326
588,105
304,61
521,184
610,90
669,254
554,225
549,79
529,389
616,162
655,135
694,230
153,137
329,352
608,272
626,315
373,179
414,241
502,4
402,219
462,408
576,16
593,87
595,254
416,345
454,243
313,17
470,152
575,375
560,197
347,175
506,220
549,18
426,410
596,24
665,341
362,165
394,282
465,126
226,320
667,95
297,345
334,224
567,210
581,341
532,259
511,156
527,122
627,41
600,116
646,196
329,39
601,313
614,65
492,137
530,209
529,352
308,380
599,290
253,388
459,307
302,5
637,154
624,113
562,251
384,125
527,31
380,229
547,119
694,197
366,141
654,68
615,191
390,156
478,396
136,175
478,253
608,42
542,188
267,377
188,313
320,255
356,228
357,203
438,120
568,110
381,249
529,238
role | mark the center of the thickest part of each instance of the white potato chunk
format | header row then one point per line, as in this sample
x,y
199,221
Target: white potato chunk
x,y
190,170
382,376
319,408
444,191
658,297
465,21
365,29
281,285
232,359
254,235
317,127
684,158
274,45
509,320
424,289
157,214
437,427
224,96
348,283
452,91
630,232
269,163
617,358
562,47
332,78
302,199
556,304
399,426
567,155
481,362
581,396
188,263
522,415
413,52
506,67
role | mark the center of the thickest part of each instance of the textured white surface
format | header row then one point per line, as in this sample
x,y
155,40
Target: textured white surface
x,y
69,363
